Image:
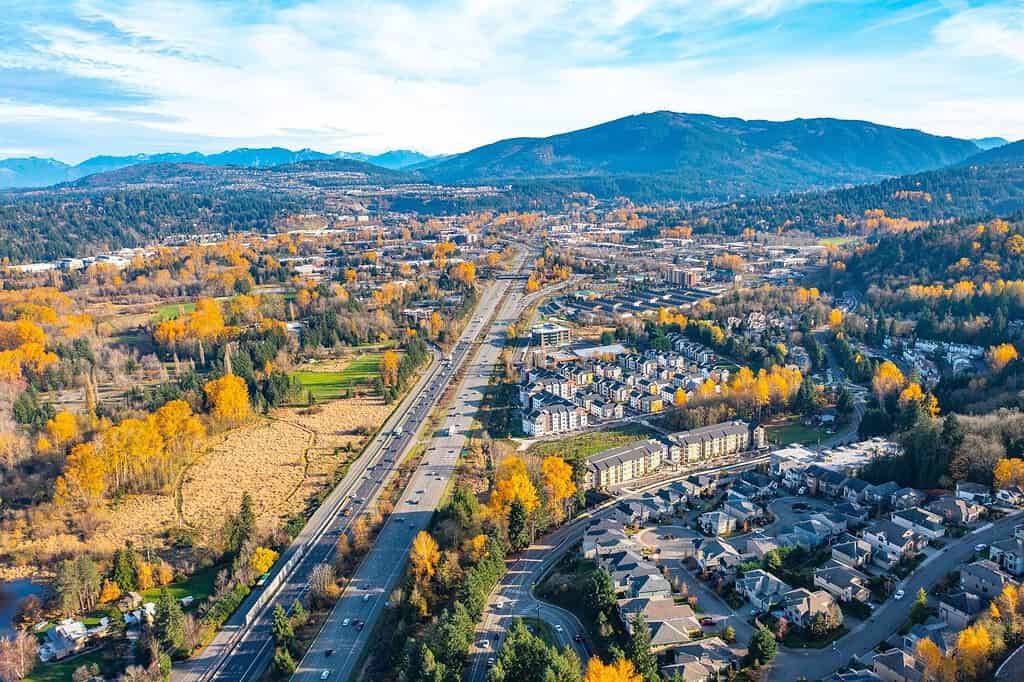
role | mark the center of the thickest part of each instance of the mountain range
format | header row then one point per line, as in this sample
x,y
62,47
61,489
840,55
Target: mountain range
x,y
40,172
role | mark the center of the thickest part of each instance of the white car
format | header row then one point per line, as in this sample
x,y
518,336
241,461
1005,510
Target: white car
x,y
366,597
981,547
325,674
558,628
484,644
345,623
899,594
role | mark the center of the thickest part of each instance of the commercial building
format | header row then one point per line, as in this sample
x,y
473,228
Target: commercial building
x,y
549,334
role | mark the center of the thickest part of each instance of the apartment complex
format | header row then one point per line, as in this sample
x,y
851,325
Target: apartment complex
x,y
624,463
717,440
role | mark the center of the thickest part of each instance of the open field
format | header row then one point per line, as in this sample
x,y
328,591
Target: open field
x,y
591,443
199,585
61,671
170,311
329,381
795,432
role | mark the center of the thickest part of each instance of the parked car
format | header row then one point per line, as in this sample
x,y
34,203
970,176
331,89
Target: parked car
x,y
980,547
899,594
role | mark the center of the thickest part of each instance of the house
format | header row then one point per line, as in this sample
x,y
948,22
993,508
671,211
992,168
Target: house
x,y
762,589
63,639
905,498
812,478
716,523
811,533
851,551
650,586
853,513
880,495
842,582
740,509
955,511
671,624
920,521
854,676
973,492
832,483
1013,496
717,555
897,665
984,578
958,609
1009,553
624,463
891,542
854,489
710,655
835,523
801,607
758,547
555,416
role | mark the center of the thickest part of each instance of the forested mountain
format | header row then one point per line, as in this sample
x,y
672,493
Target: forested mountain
x,y
37,172
1007,154
696,156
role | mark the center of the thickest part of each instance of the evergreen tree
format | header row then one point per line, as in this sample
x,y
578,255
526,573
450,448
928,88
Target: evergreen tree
x,y
762,646
428,669
283,633
638,650
601,591
518,532
169,621
284,664
125,568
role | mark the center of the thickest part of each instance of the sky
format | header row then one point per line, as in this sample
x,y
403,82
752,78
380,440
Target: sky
x,y
85,77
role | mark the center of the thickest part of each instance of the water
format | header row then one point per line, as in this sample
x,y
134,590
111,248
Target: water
x,y
11,594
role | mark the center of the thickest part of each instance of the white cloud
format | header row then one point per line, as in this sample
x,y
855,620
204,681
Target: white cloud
x,y
985,32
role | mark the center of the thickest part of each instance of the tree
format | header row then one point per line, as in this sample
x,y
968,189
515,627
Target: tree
x,y
621,670
18,655
919,609
427,668
284,664
262,559
729,634
888,379
1000,356
762,646
62,428
928,653
511,482
679,398
169,621
601,591
638,650
78,585
228,397
282,627
558,478
424,556
389,369
518,525
835,318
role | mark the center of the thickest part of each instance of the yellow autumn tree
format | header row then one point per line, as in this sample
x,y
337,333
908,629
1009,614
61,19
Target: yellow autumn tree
x,y
62,428
424,556
110,592
973,646
229,400
1000,356
621,670
144,575
679,398
262,559
835,318
888,379
1008,472
84,479
512,482
389,368
558,478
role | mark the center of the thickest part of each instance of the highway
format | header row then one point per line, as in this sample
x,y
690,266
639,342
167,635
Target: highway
x,y
242,649
338,647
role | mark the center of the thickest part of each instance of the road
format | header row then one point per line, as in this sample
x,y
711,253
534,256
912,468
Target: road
x,y
813,664
515,591
381,569
242,649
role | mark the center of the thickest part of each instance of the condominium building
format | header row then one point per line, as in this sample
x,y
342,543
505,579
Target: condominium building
x,y
550,334
624,463
717,440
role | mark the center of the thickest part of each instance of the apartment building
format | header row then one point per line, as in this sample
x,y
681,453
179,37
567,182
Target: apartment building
x,y
717,440
624,463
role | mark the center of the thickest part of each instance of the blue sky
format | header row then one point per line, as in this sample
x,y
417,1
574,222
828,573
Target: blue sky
x,y
86,77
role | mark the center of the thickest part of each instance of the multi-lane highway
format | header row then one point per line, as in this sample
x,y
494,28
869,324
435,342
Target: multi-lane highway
x,y
243,647
337,650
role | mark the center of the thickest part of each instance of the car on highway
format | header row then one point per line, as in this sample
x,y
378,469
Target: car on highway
x,y
899,594
366,597
359,625
490,662
325,674
980,547
345,623
558,628
329,652
483,644
578,639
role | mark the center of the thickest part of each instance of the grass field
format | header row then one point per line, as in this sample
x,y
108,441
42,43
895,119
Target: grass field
x,y
837,241
170,311
61,671
587,444
199,586
360,373
788,434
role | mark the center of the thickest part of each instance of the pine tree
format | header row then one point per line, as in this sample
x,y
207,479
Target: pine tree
x,y
125,568
283,633
518,533
762,646
638,650
169,620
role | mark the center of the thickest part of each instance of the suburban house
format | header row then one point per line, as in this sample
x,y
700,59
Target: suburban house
x,y
855,489
701,660
959,608
853,513
716,523
842,582
984,578
851,551
920,521
905,498
973,492
811,533
1009,553
891,542
624,463
717,555
64,639
880,495
897,665
801,606
671,624
954,510
650,586
762,589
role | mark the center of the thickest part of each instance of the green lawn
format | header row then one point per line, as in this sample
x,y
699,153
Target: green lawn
x,y
170,311
788,434
61,671
587,444
361,372
199,585
837,241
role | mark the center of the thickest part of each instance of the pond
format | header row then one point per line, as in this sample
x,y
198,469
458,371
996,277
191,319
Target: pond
x,y
11,594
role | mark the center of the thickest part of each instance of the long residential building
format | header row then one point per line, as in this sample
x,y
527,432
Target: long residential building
x,y
624,463
716,440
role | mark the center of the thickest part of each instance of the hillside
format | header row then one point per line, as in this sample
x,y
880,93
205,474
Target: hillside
x,y
37,172
1007,154
694,156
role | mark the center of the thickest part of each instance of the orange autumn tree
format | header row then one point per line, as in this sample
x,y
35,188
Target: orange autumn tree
x,y
424,556
389,368
558,478
512,482
1000,356
229,400
1008,472
888,379
84,479
621,670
